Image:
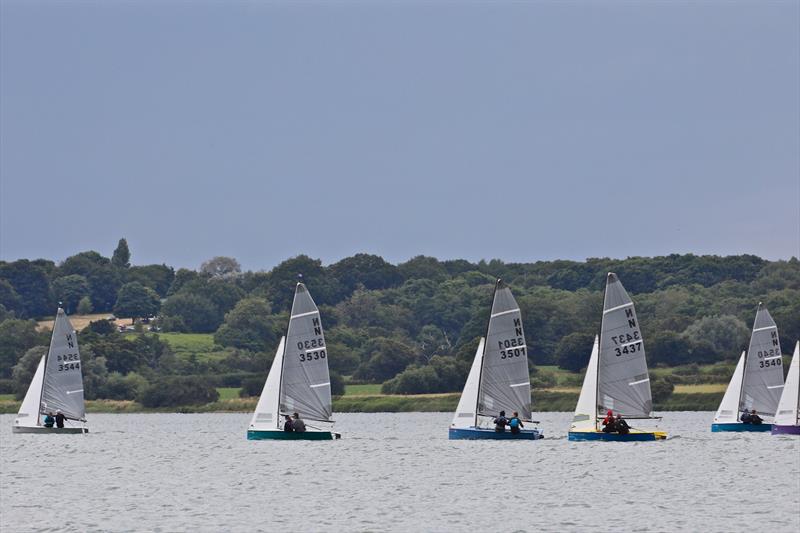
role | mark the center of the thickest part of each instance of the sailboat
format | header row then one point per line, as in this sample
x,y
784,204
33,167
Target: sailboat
x,y
787,421
616,378
757,381
499,379
57,385
298,381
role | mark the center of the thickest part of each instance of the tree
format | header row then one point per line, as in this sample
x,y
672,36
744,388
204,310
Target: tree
x,y
197,314
135,300
371,271
23,371
17,337
157,277
248,326
85,306
221,266
387,358
573,351
726,333
69,290
32,284
9,297
178,391
122,255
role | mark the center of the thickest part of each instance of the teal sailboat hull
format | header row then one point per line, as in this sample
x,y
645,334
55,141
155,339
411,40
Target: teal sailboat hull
x,y
274,434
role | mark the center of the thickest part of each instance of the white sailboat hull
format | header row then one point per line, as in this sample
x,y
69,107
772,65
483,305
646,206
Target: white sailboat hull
x,y
54,430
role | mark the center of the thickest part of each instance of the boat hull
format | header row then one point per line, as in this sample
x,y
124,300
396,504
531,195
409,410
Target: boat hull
x,y
785,430
256,434
54,431
490,434
740,426
633,436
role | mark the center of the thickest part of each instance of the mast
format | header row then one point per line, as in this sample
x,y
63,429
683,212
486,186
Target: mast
x,y
599,346
483,355
44,370
283,358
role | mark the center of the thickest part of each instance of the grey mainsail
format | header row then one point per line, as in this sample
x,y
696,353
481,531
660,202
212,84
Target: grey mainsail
x,y
763,370
505,381
62,389
305,382
623,380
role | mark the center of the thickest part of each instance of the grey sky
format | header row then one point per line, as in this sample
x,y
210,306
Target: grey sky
x,y
519,131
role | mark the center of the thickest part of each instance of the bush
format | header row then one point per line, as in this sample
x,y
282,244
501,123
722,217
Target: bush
x,y
251,387
573,351
337,384
119,387
6,386
544,380
177,391
661,388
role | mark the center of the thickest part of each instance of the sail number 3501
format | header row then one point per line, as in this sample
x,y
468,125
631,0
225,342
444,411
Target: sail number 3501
x,y
512,348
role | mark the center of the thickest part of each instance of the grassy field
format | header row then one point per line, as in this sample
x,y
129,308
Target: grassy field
x,y
228,393
201,345
81,321
362,390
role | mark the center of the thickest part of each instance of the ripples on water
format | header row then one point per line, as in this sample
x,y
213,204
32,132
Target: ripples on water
x,y
392,472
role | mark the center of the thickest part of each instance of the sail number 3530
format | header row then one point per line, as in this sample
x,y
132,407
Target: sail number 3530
x,y
311,350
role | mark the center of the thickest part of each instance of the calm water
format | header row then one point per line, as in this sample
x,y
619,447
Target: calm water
x,y
391,472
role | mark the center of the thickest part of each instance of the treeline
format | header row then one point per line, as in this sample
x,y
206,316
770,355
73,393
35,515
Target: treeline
x,y
413,326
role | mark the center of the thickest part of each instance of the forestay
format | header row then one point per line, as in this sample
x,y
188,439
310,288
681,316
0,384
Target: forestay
x,y
28,415
728,411
505,380
62,389
624,383
267,415
305,385
789,405
763,371
585,417
467,405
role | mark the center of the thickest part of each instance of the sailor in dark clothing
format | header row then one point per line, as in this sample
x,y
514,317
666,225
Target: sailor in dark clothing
x,y
60,419
621,426
49,421
298,426
609,423
500,422
287,424
746,417
754,418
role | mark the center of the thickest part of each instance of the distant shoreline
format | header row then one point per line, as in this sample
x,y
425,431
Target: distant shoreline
x,y
543,401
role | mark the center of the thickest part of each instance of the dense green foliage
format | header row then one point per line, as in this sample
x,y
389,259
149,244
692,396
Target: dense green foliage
x,y
178,390
413,326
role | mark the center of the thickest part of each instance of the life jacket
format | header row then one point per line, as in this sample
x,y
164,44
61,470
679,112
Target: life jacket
x,y
514,423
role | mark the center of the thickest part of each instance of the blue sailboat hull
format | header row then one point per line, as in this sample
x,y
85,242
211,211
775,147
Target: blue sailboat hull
x,y
473,433
633,436
740,426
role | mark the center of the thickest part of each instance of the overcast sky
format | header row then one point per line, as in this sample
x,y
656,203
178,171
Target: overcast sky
x,y
519,131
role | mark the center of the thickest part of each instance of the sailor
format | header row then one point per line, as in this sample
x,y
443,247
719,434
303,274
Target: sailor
x,y
515,423
49,420
746,417
500,422
621,426
754,418
60,419
609,423
298,426
287,424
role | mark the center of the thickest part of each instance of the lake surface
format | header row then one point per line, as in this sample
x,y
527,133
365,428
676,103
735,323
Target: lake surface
x,y
392,472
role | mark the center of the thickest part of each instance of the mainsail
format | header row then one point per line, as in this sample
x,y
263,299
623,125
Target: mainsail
x,y
305,382
28,415
62,389
623,380
267,415
789,406
466,410
763,373
505,380
728,411
585,417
